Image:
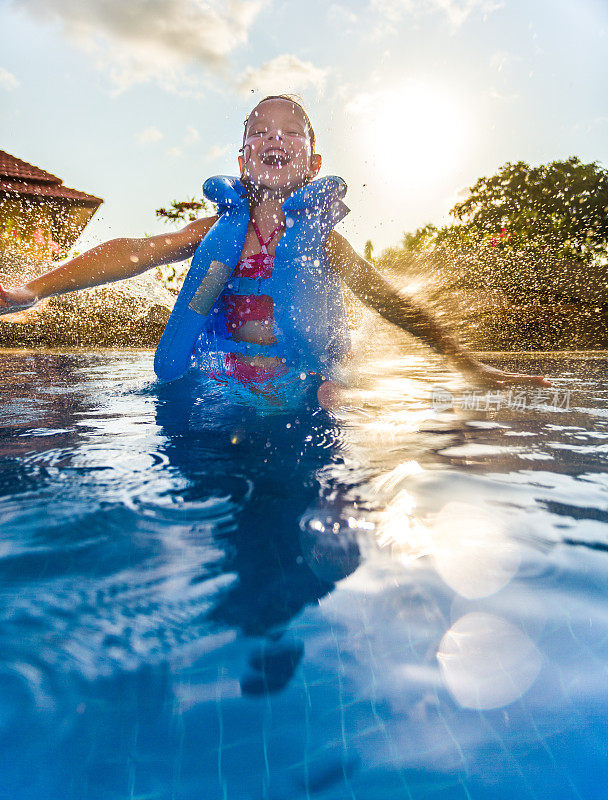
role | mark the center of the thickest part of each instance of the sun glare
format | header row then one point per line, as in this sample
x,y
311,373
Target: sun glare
x,y
415,134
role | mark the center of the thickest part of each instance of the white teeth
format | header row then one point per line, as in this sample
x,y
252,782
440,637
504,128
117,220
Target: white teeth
x,y
274,158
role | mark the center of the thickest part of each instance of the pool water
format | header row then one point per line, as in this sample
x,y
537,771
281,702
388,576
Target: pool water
x,y
405,599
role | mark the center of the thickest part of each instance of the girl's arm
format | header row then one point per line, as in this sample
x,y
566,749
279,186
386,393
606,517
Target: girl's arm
x,y
370,287
111,261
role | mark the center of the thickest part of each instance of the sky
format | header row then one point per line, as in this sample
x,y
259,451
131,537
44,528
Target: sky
x,y
138,101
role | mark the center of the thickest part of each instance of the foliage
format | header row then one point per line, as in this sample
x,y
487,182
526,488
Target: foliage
x,y
562,206
171,276
420,239
526,231
183,210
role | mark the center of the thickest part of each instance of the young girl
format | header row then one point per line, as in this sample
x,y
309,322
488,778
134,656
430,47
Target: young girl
x,y
289,313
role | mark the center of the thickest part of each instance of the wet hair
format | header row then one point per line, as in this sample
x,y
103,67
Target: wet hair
x,y
292,98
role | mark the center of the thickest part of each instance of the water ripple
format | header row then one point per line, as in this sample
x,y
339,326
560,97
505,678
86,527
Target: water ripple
x,y
188,587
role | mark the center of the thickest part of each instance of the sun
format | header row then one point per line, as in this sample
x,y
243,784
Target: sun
x,y
415,135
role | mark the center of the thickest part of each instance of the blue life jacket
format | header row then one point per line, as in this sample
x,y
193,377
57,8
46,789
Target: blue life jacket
x,y
309,314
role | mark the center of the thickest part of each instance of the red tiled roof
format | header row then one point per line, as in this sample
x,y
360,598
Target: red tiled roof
x,y
12,167
49,190
19,177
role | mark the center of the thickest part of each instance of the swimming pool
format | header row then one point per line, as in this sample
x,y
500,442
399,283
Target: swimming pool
x,y
406,600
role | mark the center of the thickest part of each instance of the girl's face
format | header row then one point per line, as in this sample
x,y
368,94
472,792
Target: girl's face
x,y
277,149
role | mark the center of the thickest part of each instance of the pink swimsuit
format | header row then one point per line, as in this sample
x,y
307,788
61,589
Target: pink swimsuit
x,y
241,308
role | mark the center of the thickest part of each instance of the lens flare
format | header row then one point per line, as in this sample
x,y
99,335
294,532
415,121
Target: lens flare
x,y
487,662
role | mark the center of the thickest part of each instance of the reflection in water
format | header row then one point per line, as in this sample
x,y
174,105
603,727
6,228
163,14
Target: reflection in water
x,y
400,531
329,542
197,600
473,551
282,555
486,662
472,547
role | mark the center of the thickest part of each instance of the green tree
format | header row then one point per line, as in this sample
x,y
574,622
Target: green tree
x,y
560,207
532,233
180,211
183,210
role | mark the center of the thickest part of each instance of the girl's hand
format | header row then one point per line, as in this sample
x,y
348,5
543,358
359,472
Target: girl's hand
x,y
18,299
492,377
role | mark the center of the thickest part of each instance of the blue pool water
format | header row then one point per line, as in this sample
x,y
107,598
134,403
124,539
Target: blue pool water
x,y
403,600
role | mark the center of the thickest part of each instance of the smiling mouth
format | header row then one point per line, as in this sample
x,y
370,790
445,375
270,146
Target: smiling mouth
x,y
275,158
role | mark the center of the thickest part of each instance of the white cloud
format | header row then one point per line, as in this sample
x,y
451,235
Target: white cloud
x,y
339,15
589,125
7,80
142,40
217,151
509,97
394,10
456,11
501,59
285,73
151,134
191,135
